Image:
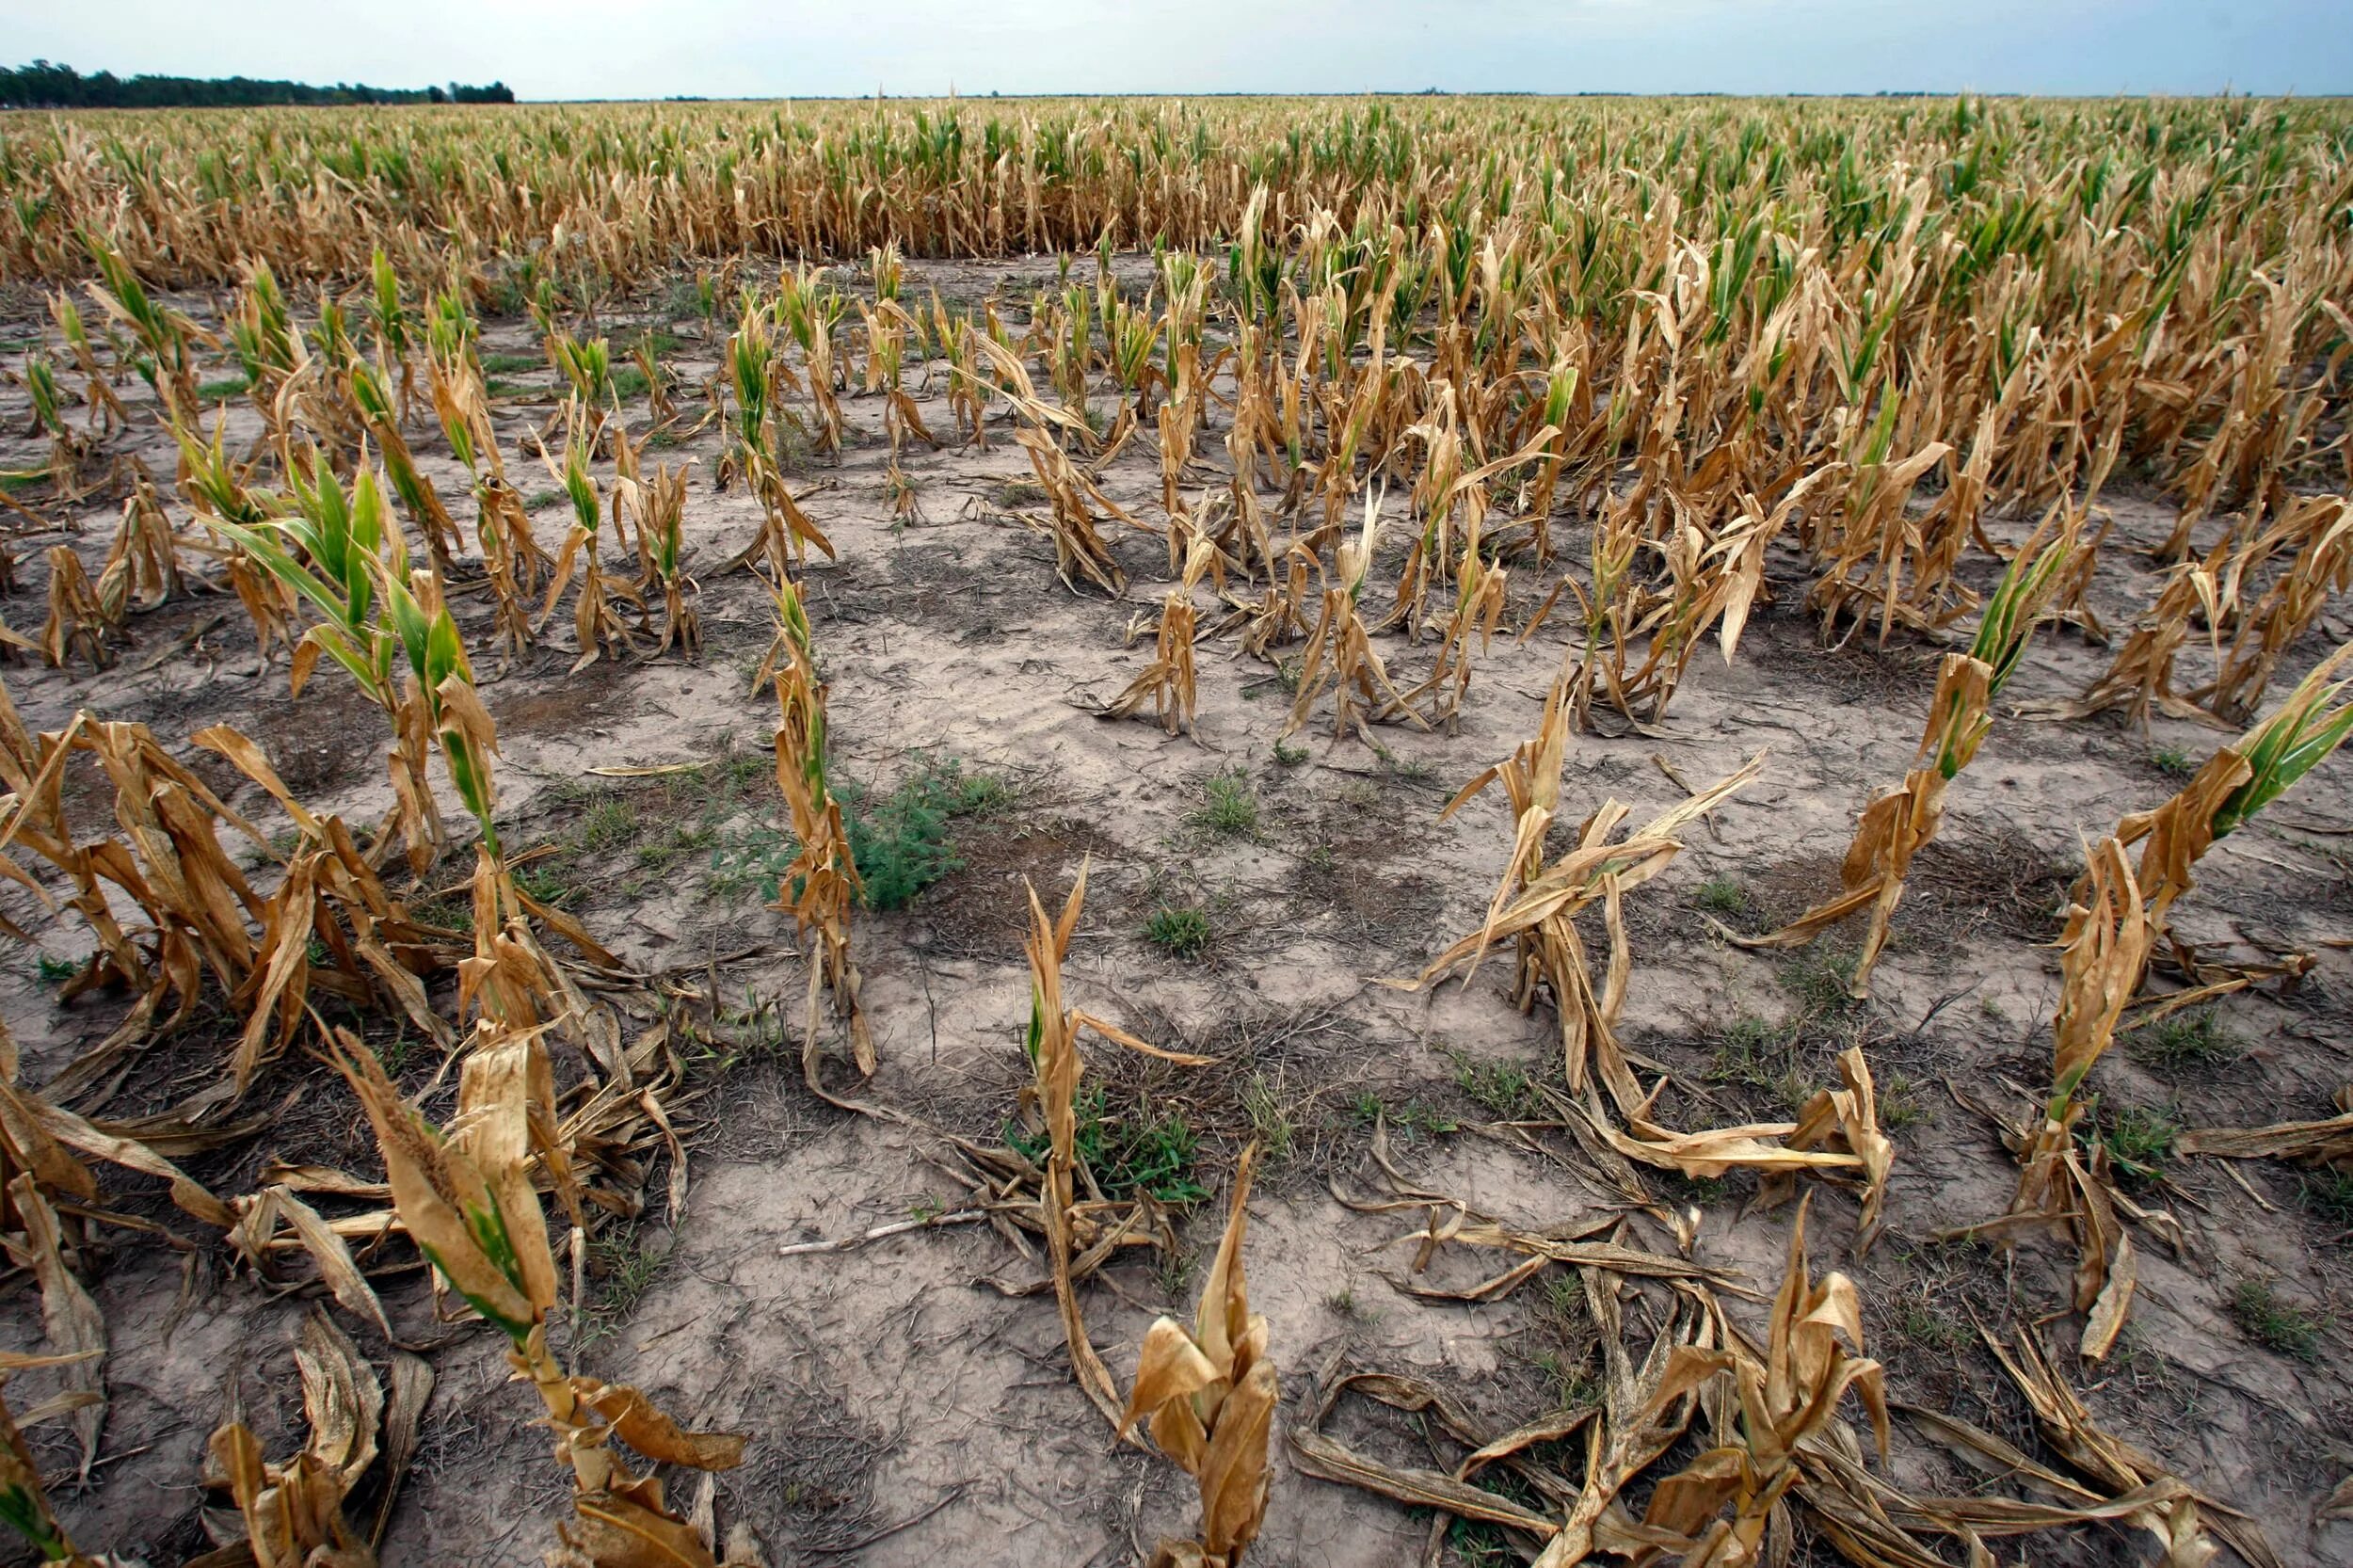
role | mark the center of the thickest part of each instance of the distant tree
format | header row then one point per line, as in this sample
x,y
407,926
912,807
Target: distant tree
x,y
44,85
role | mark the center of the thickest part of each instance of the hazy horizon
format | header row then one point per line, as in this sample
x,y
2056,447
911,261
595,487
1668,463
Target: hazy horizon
x,y
738,49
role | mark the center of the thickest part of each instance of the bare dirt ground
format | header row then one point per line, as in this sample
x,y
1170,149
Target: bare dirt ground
x,y
903,1407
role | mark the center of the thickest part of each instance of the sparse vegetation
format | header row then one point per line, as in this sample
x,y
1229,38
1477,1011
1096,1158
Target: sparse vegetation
x,y
1721,895
1131,1150
2273,1321
2196,1040
2140,1141
1179,930
1229,807
1501,1088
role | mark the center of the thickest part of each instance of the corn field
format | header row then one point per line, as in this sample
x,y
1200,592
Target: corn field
x,y
1605,828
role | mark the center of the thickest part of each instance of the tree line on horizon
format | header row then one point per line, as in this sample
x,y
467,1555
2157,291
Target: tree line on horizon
x,y
44,85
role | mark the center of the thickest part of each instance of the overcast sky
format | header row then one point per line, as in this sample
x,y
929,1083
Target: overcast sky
x,y
785,48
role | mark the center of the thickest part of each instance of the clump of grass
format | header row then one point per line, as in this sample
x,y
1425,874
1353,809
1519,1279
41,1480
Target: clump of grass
x,y
1179,930
1230,807
220,390
673,843
1413,1119
1289,755
1574,1385
2186,1041
2173,761
1817,981
624,1268
1015,493
1135,1150
1501,1088
2329,1192
1721,895
611,823
1755,1053
544,880
752,858
1682,1188
2275,1323
2140,1141
1900,1104
444,914
512,364
56,971
1924,1323
1270,1120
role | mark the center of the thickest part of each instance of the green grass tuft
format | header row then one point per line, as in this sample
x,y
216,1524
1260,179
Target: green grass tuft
x,y
1501,1088
1721,895
2186,1041
2140,1141
2275,1323
1230,807
1131,1150
1182,930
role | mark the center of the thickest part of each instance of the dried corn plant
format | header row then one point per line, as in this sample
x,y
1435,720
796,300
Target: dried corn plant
x,y
2317,532
2239,780
79,624
811,311
328,929
2117,1482
1339,657
822,885
2140,678
67,446
1883,560
755,368
1074,499
106,412
467,1198
294,1513
888,326
2325,1142
336,554
1721,1508
1777,1463
52,1146
23,1500
1167,682
662,523
512,562
418,496
1080,1234
1893,828
1624,1433
167,336
597,627
1479,589
1536,904
2063,1185
142,567
1845,1120
1210,1395
72,1324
